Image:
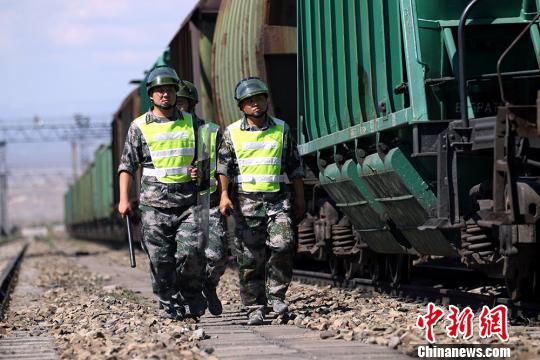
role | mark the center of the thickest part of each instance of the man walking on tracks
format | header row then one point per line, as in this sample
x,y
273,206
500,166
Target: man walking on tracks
x,y
216,251
253,155
162,142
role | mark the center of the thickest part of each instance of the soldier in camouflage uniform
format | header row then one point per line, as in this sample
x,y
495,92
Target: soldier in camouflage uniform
x,y
162,142
253,155
216,252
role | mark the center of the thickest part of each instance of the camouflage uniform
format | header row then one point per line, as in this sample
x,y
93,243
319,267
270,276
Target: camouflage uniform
x,y
168,226
216,251
263,223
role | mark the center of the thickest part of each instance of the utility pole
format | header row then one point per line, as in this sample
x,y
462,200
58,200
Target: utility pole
x,y
74,159
3,190
82,123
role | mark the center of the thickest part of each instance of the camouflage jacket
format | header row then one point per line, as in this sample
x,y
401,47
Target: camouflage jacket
x,y
153,192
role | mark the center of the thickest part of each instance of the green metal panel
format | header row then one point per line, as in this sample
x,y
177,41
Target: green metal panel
x,y
307,92
379,38
451,51
416,67
354,53
407,200
236,52
321,67
350,60
366,71
535,36
68,206
329,82
394,54
451,10
492,26
102,183
355,200
76,201
390,121
350,48
205,55
84,202
340,66
74,197
95,202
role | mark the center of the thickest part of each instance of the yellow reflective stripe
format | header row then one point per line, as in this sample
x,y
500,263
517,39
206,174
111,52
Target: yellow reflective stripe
x,y
171,146
259,161
259,145
172,152
184,170
213,129
258,154
171,136
260,178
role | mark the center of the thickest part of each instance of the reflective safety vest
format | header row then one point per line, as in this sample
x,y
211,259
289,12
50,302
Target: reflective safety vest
x,y
172,148
259,156
213,129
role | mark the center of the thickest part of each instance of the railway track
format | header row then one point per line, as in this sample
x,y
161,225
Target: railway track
x,y
85,299
63,303
437,292
12,255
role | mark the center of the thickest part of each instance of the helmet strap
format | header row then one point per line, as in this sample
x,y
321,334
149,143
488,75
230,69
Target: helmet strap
x,y
258,115
164,107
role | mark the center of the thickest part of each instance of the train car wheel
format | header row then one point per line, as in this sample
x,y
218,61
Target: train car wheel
x,y
334,264
376,267
521,277
397,268
352,266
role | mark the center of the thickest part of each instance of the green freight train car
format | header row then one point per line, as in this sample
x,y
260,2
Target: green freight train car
x,y
89,208
421,154
416,120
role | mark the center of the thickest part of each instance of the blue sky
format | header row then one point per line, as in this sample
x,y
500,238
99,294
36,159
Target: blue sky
x,y
60,57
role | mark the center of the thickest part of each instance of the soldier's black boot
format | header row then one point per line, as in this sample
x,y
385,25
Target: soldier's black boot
x,y
195,306
279,307
256,317
168,310
214,304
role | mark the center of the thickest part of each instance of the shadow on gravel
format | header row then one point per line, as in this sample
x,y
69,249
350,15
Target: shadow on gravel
x,y
44,254
63,254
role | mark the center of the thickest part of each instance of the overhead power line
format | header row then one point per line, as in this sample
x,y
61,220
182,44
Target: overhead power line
x,y
56,132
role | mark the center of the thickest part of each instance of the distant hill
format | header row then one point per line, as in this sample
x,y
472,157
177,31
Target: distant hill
x,y
38,205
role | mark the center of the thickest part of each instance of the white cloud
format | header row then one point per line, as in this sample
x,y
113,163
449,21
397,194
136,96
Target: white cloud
x,y
93,9
71,34
121,57
7,28
84,40
107,36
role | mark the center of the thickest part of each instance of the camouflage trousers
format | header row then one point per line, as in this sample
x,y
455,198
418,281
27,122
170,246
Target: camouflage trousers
x,y
169,237
216,252
264,250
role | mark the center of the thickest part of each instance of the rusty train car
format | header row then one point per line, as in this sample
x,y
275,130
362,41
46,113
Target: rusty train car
x,y
416,119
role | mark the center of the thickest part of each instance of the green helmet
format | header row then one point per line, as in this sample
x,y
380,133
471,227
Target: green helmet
x,y
249,87
161,75
188,90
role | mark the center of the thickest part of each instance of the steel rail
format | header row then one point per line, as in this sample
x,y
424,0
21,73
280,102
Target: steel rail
x,y
437,293
7,277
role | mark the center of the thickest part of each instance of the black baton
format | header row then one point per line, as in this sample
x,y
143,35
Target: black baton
x,y
130,243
